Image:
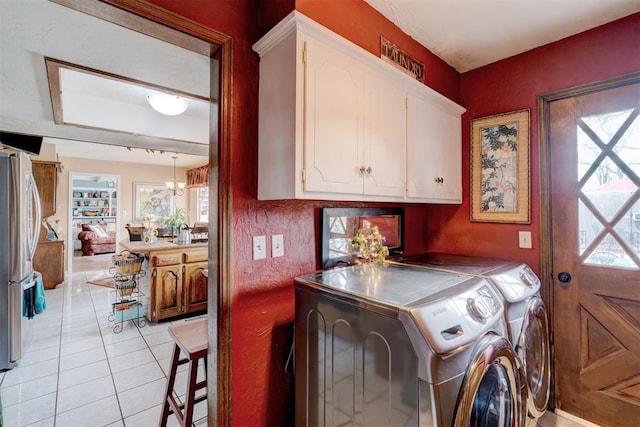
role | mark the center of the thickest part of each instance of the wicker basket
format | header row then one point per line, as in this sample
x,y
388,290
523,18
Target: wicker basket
x,y
125,286
127,263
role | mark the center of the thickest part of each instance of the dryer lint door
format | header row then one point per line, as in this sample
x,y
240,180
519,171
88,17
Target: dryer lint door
x,y
493,392
533,351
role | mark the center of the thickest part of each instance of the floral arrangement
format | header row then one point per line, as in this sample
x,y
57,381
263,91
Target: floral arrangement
x,y
177,219
369,244
150,224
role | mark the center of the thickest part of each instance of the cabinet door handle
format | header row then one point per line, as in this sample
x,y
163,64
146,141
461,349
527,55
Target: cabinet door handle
x,y
362,169
369,170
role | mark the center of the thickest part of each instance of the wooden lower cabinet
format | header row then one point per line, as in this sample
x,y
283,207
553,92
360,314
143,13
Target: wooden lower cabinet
x,y
195,286
167,286
49,261
178,284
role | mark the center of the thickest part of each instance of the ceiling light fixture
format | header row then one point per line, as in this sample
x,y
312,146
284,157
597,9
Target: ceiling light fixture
x,y
169,105
176,188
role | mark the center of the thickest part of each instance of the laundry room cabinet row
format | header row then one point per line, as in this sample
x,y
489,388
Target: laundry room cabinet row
x,y
337,123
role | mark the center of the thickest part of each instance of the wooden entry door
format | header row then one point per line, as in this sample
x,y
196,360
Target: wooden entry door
x,y
594,159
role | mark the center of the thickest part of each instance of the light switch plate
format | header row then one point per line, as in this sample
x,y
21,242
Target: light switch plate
x,y
259,247
524,239
277,245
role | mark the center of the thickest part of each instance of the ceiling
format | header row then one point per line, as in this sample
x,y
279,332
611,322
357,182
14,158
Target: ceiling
x,y
70,148
34,30
469,34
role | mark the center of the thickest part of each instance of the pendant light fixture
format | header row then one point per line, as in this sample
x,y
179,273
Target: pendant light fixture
x,y
176,188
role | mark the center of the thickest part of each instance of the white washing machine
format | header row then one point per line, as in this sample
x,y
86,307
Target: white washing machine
x,y
525,314
403,345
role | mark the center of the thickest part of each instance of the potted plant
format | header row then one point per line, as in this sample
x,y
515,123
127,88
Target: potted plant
x,y
176,220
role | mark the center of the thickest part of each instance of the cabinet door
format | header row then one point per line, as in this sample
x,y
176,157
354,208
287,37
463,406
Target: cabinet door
x,y
449,142
167,299
195,286
434,169
45,175
385,137
49,261
333,121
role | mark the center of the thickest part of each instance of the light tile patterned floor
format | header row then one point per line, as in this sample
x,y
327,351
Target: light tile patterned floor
x,y
77,372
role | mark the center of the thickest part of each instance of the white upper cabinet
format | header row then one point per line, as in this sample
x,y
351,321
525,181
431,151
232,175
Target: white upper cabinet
x,y
385,136
434,168
333,121
334,124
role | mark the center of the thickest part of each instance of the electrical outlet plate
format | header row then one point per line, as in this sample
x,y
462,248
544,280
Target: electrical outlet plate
x,y
259,247
524,239
277,245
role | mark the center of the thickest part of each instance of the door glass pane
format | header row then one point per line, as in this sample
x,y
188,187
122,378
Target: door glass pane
x,y
608,198
606,125
589,226
628,228
609,253
588,151
608,168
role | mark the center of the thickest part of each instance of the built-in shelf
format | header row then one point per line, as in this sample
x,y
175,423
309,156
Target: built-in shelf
x,y
93,199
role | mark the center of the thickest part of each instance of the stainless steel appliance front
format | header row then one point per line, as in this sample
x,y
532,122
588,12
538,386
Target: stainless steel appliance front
x,y
525,314
20,218
392,346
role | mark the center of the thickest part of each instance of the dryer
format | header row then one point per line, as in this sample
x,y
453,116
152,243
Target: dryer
x,y
525,314
403,345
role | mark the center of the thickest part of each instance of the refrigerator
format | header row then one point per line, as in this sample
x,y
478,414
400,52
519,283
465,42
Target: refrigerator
x,y
20,219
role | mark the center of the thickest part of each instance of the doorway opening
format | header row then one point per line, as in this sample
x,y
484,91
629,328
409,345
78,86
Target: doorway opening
x,y
218,48
94,219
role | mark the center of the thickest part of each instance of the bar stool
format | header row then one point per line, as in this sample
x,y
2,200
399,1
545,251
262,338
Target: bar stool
x,y
191,338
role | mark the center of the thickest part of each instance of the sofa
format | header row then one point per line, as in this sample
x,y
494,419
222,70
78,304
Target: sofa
x,y
97,238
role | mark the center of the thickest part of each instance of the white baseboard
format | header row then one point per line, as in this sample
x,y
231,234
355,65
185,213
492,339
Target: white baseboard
x,y
585,423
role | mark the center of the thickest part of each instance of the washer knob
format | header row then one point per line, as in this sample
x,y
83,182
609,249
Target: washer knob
x,y
478,310
527,278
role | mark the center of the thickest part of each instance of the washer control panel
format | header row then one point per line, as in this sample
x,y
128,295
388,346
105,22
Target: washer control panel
x,y
517,283
459,319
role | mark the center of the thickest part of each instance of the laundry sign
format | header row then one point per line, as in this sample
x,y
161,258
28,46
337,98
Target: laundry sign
x,y
400,58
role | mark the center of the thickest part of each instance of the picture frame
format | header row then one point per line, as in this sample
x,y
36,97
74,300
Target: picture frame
x,y
500,169
151,198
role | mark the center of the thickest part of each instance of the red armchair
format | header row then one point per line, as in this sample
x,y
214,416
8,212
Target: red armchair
x,y
96,239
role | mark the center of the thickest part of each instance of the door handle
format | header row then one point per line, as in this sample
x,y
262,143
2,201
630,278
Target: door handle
x,y
564,277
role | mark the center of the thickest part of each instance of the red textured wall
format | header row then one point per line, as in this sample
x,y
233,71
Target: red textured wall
x,y
513,84
263,290
363,25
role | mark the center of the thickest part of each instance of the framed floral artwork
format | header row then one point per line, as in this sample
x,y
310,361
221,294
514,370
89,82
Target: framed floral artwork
x,y
500,178
151,200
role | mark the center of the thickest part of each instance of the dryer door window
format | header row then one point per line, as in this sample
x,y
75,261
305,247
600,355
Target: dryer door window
x,y
492,392
493,405
533,351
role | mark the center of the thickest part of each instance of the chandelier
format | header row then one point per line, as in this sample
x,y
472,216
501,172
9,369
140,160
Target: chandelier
x,y
176,188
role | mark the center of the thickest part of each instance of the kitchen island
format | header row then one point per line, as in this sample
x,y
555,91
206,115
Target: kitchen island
x,y
176,277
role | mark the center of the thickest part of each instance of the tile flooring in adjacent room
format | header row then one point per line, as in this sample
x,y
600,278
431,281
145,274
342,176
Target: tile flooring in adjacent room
x,y
76,372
